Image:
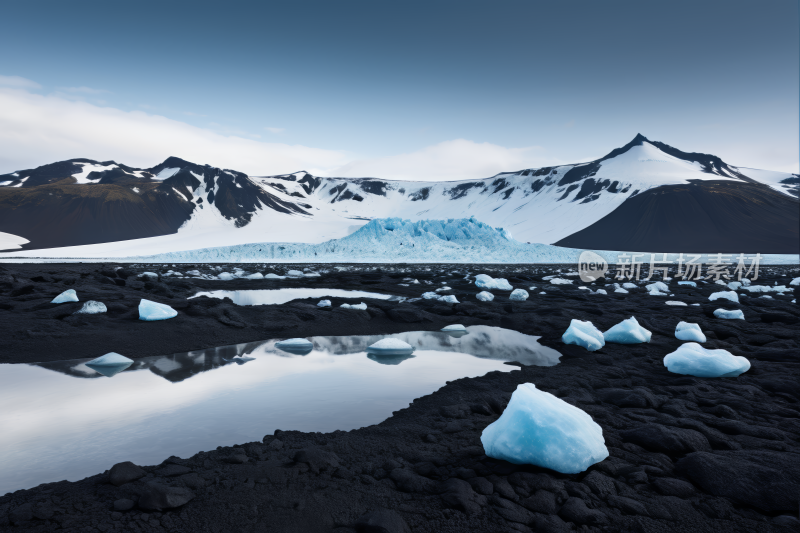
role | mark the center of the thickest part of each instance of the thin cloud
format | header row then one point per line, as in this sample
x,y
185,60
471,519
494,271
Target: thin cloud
x,y
83,90
18,83
275,130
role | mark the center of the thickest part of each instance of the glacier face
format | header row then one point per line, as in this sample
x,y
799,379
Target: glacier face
x,y
392,240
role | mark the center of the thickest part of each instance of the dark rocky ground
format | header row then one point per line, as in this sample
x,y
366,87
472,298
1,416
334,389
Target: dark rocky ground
x,y
686,454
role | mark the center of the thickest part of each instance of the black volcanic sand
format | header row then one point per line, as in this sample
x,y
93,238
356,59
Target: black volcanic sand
x,y
686,454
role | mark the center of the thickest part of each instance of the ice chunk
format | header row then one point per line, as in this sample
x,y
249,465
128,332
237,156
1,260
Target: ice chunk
x,y
391,346
627,332
629,285
294,274
745,282
195,273
561,281
725,295
518,295
451,299
482,281
657,286
150,311
148,275
694,360
225,276
540,429
431,296
68,295
362,306
295,346
454,327
485,296
324,303
795,281
92,308
621,290
687,331
257,275
110,364
272,275
600,291
583,334
689,283
733,285
767,296
674,302
720,282
724,313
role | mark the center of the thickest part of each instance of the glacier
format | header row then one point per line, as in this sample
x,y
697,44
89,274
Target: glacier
x,y
694,360
540,429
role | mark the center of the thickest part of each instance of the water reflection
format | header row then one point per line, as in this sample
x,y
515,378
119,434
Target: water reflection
x,y
64,420
282,296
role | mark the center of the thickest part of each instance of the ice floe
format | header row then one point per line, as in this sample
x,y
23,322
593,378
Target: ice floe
x,y
583,333
694,360
627,332
725,295
483,281
518,295
110,364
485,296
68,295
296,346
540,429
324,303
735,314
687,331
391,346
454,327
675,302
150,311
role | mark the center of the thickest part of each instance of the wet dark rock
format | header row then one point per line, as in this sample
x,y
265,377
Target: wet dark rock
x,y
668,440
458,494
125,472
766,480
157,497
674,487
541,501
575,510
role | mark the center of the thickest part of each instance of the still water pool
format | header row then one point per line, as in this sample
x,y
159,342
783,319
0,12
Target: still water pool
x,y
63,420
282,296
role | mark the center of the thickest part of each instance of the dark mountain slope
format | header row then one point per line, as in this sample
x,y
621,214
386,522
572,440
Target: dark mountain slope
x,y
705,216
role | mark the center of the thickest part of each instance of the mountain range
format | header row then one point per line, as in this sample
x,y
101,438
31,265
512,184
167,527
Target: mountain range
x,y
644,196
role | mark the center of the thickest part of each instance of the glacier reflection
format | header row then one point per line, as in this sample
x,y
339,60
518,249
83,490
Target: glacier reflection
x,y
63,420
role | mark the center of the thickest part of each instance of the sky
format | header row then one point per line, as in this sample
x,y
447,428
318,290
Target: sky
x,y
427,90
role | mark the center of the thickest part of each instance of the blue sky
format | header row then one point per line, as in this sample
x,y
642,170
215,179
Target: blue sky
x,y
437,90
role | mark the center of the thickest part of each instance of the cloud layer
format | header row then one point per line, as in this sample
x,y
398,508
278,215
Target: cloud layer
x,y
38,129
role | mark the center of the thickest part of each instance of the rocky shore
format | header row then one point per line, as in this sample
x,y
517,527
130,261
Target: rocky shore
x,y
686,454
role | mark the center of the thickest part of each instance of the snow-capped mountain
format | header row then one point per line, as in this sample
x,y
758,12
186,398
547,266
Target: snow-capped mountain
x,y
643,196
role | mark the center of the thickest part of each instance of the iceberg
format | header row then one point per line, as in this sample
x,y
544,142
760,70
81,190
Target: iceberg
x,y
689,283
68,295
482,281
627,332
725,295
294,274
324,303
600,291
362,306
454,327
430,296
583,333
295,346
733,285
150,311
92,308
629,285
485,296
561,281
686,331
518,295
730,315
110,364
693,360
225,276
795,281
390,346
451,299
273,276
540,429
657,286
257,275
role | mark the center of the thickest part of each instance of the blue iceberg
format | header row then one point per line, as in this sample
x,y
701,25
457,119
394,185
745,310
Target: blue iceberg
x,y
735,314
150,311
68,295
725,295
518,295
686,331
110,364
485,296
693,360
324,303
583,334
454,327
295,346
627,332
390,346
539,429
482,281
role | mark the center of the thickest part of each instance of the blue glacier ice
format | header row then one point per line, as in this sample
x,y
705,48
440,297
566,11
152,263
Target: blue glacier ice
x,y
689,283
518,295
693,360
454,327
110,364
150,311
583,334
627,332
92,308
68,295
324,303
540,429
484,281
686,331
450,299
485,296
295,346
735,314
362,306
393,240
725,295
390,346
